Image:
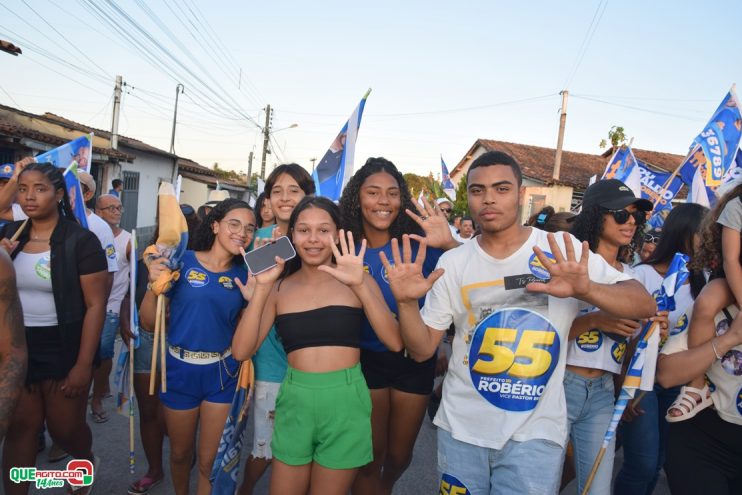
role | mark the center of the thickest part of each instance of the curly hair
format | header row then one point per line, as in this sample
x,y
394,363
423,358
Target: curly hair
x,y
203,237
709,255
350,201
588,226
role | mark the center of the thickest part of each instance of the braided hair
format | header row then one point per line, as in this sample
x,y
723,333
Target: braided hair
x,y
350,201
55,175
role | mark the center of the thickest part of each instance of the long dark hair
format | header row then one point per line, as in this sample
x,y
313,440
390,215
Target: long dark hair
x,y
588,226
259,206
709,255
203,237
681,225
350,201
55,175
306,202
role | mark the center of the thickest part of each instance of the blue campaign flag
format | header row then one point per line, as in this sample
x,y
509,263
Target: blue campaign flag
x,y
711,159
655,188
336,167
449,188
74,191
225,470
623,166
77,152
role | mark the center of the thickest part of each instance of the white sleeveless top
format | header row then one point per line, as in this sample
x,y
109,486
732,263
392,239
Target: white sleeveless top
x,y
121,276
34,279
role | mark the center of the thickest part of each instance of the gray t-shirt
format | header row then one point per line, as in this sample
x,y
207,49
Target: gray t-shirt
x,y
731,215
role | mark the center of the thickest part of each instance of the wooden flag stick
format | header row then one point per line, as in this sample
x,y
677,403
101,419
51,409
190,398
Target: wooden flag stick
x,y
163,344
131,405
155,345
594,471
18,232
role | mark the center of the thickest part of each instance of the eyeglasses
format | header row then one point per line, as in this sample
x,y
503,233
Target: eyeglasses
x,y
113,208
651,239
622,216
236,227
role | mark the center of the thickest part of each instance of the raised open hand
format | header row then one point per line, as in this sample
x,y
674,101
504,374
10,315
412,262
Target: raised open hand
x,y
434,223
406,278
348,267
568,277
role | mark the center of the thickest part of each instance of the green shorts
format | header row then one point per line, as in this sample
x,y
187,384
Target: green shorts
x,y
325,418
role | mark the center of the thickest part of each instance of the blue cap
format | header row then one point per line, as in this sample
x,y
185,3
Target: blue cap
x,y
6,171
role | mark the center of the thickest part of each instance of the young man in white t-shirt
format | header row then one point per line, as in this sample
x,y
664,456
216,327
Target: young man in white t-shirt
x,y
502,420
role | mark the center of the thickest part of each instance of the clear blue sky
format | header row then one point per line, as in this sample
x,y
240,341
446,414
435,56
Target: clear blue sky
x,y
671,62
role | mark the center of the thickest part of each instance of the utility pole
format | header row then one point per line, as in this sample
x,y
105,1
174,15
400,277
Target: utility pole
x,y
560,139
266,137
116,113
249,169
178,89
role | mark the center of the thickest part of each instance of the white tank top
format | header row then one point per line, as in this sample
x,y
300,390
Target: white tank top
x,y
34,280
120,277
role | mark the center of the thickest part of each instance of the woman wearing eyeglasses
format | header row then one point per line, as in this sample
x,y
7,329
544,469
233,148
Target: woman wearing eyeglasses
x,y
205,304
610,221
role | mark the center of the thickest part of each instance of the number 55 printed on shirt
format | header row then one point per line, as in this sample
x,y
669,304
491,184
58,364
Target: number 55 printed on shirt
x,y
513,354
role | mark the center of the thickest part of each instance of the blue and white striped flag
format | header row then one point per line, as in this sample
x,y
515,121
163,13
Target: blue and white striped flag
x,y
676,276
336,167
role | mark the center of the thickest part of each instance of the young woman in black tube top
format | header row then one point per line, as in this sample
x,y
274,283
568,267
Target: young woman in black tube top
x,y
322,430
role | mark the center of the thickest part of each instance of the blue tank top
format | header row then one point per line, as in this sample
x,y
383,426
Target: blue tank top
x,y
204,307
372,264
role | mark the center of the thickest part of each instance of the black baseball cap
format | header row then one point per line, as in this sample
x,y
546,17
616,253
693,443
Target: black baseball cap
x,y
612,194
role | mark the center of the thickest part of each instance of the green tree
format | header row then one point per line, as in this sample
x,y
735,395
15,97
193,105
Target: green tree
x,y
415,183
461,206
616,136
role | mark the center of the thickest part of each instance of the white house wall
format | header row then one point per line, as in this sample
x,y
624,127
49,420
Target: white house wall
x,y
193,193
152,170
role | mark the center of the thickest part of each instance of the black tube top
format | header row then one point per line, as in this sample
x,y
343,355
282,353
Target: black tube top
x,y
326,326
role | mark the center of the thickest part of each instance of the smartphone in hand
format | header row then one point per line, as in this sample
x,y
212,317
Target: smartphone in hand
x,y
264,258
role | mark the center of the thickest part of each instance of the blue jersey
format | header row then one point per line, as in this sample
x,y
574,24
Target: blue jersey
x,y
270,360
204,306
372,264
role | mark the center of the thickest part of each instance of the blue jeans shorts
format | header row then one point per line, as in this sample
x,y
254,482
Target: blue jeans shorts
x,y
108,335
188,385
530,467
143,353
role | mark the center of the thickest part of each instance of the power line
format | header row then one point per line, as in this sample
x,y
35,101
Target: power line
x,y
639,109
592,27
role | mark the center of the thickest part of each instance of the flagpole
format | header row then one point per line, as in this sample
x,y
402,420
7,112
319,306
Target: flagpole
x,y
163,368
131,405
155,346
618,411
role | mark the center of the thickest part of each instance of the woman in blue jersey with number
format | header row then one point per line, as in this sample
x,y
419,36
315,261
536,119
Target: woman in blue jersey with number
x,y
205,304
377,207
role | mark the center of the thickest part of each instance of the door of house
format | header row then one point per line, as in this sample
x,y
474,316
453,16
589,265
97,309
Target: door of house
x,y
130,200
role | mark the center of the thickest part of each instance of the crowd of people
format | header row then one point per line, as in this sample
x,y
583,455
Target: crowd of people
x,y
348,337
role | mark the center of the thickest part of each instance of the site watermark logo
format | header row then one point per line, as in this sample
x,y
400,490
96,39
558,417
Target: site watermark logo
x,y
79,473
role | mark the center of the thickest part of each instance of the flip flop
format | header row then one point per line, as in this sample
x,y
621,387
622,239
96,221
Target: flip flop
x,y
144,485
99,417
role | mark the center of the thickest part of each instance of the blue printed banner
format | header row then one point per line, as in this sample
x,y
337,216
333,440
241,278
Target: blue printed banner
x,y
623,166
336,167
655,188
73,156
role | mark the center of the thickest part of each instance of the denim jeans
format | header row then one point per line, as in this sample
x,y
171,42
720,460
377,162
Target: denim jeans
x,y
108,335
530,467
590,404
644,441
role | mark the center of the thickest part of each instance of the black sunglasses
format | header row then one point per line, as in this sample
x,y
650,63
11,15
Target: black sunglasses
x,y
622,216
651,238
